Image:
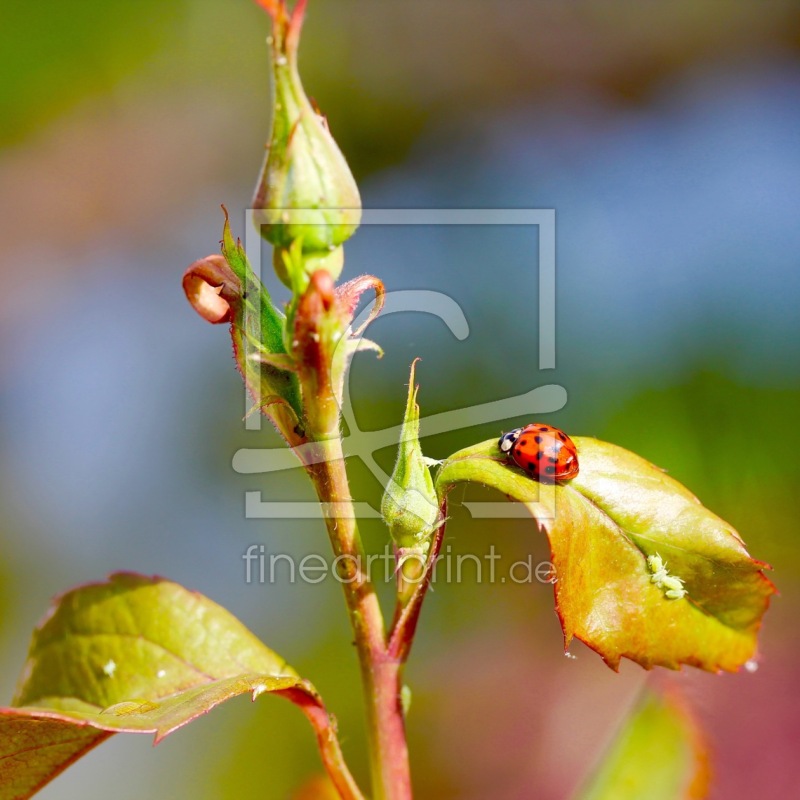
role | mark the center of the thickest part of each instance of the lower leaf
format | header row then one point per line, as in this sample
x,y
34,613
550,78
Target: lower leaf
x,y
659,754
135,655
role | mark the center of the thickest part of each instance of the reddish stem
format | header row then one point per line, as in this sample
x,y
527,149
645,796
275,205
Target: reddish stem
x,y
381,672
324,725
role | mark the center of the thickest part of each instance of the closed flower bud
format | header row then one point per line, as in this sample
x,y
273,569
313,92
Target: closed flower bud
x,y
410,507
306,191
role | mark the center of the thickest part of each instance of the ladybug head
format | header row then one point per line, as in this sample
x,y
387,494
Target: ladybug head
x,y
508,440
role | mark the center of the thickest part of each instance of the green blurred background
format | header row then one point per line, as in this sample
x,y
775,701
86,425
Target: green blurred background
x,y
667,138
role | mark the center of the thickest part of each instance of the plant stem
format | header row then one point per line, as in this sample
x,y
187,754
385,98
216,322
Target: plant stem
x,y
410,598
325,727
381,673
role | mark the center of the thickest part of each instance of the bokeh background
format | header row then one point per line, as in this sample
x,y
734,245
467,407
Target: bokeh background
x,y
667,138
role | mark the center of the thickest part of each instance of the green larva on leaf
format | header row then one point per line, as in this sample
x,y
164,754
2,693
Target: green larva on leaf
x,y
672,585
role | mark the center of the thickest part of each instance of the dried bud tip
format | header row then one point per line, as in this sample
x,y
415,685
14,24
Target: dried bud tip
x,y
210,286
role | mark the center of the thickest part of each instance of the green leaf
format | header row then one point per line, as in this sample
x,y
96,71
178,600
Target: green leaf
x,y
659,754
256,315
34,750
134,654
258,327
602,526
224,289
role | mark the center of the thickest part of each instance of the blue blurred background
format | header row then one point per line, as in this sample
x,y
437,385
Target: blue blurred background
x,y
667,138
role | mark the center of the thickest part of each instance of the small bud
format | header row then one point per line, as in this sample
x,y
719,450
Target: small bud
x,y
410,506
320,323
322,344
306,189
405,699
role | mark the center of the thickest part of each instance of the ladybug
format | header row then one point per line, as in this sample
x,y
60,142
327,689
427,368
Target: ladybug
x,y
544,452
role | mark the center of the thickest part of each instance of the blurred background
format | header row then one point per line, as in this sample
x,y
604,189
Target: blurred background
x,y
667,138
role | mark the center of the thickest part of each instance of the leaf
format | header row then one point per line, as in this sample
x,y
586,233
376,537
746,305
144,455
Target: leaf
x,y
257,317
225,289
659,754
602,526
349,294
35,750
134,654
258,326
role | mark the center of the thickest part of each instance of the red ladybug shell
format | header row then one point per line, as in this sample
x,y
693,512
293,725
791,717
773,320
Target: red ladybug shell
x,y
544,452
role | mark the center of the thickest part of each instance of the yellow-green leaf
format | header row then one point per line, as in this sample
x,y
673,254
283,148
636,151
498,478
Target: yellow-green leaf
x,y
659,754
133,654
602,526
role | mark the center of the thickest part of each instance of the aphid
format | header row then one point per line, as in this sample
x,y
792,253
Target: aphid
x,y
544,452
671,584
656,563
658,568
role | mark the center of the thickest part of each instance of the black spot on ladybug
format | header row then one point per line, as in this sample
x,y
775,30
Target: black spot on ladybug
x,y
552,460
539,454
531,465
562,436
523,442
543,428
537,439
549,470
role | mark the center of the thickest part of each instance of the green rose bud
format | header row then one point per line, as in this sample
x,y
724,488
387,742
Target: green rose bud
x,y
306,191
410,506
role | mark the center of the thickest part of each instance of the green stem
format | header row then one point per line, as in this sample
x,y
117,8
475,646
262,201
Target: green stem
x,y
381,672
411,595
